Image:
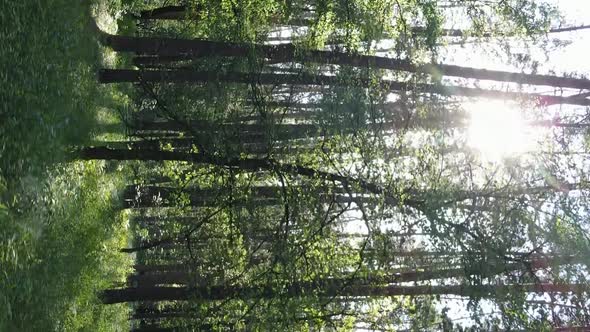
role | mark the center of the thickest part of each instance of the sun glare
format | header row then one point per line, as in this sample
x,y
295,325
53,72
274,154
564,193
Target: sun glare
x,y
497,130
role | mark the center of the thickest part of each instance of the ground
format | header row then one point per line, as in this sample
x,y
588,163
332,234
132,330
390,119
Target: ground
x,y
60,222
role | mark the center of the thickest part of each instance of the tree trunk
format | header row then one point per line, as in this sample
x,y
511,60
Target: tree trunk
x,y
141,269
102,153
153,328
159,196
572,329
180,13
162,278
157,314
149,245
164,13
252,132
191,48
191,76
462,33
486,270
212,293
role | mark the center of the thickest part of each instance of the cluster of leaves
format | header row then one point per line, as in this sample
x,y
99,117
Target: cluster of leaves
x,y
56,256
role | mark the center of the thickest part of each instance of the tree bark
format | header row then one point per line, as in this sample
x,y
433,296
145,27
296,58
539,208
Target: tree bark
x,y
191,76
251,132
157,314
164,13
179,13
149,245
463,33
171,49
141,269
102,153
143,196
162,278
572,329
197,198
485,271
153,328
212,293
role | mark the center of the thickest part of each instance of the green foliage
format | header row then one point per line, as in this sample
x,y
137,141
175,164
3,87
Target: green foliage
x,y
47,59
285,250
232,21
59,229
56,256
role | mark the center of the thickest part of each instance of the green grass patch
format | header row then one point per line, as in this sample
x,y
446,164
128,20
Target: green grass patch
x,y
60,254
48,57
60,227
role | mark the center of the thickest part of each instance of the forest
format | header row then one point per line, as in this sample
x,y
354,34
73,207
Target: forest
x,y
303,165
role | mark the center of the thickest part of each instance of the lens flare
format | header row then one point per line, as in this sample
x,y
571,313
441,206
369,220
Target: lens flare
x,y
497,131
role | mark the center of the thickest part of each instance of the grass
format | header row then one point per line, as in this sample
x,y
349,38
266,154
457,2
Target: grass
x,y
61,253
48,86
59,223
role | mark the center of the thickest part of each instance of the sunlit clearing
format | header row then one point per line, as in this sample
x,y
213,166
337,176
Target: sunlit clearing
x,y
497,130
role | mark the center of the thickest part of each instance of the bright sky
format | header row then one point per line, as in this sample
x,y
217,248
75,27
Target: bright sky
x,y
568,59
487,119
573,58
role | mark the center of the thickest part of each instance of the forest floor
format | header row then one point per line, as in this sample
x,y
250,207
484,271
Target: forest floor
x,y
60,222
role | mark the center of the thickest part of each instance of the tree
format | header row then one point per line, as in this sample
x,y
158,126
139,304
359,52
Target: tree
x,y
292,145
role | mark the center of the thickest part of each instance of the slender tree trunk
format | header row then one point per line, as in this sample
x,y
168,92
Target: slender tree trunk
x,y
331,290
248,132
133,191
181,328
164,13
286,131
102,153
259,148
92,153
149,245
140,268
191,76
487,270
159,196
204,126
156,221
158,314
162,278
191,48
153,328
181,13
462,33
